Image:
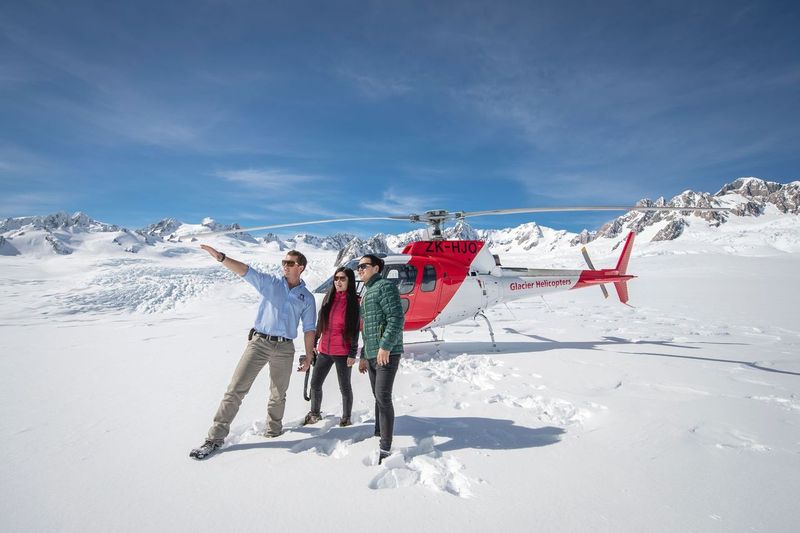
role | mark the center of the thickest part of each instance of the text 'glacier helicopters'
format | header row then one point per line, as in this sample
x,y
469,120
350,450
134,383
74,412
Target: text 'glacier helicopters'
x,y
444,281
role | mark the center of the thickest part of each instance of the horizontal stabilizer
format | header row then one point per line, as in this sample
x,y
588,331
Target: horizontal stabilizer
x,y
622,291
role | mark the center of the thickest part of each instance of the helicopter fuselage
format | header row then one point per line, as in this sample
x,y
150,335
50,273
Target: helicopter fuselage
x,y
442,282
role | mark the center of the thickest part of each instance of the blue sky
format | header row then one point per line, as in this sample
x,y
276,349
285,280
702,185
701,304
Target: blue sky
x,y
272,112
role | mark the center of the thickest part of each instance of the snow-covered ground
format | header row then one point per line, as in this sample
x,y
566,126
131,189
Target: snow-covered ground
x,y
681,413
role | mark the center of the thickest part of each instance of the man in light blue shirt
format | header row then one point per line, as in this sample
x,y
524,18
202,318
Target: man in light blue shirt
x,y
285,302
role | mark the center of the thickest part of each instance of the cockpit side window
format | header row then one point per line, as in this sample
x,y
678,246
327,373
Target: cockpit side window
x,y
403,276
428,278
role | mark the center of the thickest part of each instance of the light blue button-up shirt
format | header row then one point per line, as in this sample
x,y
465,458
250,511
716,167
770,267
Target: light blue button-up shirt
x,y
282,308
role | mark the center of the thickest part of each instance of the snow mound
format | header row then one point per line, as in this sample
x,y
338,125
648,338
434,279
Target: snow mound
x,y
422,465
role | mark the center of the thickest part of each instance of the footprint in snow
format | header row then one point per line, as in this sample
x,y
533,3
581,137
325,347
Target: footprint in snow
x,y
333,441
550,410
725,438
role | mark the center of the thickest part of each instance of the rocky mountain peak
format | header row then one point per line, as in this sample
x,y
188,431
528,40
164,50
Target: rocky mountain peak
x,y
57,221
213,225
461,231
759,193
750,187
337,241
525,236
163,228
357,248
583,237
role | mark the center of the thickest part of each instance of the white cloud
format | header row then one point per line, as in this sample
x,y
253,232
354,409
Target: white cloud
x,y
373,86
578,188
275,180
31,203
307,209
16,162
115,107
393,203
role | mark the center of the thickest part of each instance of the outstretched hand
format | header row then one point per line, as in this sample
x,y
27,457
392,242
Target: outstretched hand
x,y
231,264
215,254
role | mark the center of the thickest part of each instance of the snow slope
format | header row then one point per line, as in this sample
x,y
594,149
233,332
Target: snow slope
x,y
681,413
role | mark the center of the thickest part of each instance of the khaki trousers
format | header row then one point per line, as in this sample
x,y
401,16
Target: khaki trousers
x,y
259,352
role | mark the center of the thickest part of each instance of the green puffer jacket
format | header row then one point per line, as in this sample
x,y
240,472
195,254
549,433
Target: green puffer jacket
x,y
382,316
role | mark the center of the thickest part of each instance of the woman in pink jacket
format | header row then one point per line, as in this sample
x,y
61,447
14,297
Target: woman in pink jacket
x,y
337,333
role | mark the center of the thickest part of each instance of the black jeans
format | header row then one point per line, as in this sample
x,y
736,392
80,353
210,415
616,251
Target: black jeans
x,y
321,369
381,378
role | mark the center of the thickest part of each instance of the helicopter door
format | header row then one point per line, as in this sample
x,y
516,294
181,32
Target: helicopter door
x,y
426,295
490,291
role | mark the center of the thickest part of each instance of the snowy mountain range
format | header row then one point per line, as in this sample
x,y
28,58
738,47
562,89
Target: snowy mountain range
x,y
750,199
678,412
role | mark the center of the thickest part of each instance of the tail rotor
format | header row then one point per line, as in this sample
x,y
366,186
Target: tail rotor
x,y
618,276
591,267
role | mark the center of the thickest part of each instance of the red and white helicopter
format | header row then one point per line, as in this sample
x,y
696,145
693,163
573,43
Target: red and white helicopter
x,y
445,281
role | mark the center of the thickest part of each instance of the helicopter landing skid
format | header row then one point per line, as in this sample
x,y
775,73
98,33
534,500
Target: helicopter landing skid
x,y
433,333
437,342
491,331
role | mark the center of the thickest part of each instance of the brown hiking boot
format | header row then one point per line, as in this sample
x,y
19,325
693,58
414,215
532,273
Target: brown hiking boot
x,y
312,418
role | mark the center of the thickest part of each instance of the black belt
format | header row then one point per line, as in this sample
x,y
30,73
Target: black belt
x,y
273,338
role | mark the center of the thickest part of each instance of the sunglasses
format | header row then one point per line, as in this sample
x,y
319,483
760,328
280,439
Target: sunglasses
x,y
362,266
289,263
340,278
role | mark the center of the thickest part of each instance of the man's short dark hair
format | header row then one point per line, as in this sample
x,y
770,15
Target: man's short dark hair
x,y
375,260
299,257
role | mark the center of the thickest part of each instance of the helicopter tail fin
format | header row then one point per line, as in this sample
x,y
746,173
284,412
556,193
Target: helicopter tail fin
x,y
622,269
622,264
618,276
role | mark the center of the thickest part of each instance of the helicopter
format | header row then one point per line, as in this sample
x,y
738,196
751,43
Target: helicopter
x,y
443,281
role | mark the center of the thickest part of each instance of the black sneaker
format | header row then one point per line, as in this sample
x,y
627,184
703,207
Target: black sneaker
x,y
345,421
312,418
208,447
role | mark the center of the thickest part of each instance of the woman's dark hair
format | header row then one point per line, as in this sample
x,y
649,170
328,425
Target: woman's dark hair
x,y
375,260
351,314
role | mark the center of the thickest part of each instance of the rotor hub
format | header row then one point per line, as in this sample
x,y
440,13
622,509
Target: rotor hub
x,y
434,218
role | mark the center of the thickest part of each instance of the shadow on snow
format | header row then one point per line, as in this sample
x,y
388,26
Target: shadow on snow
x,y
445,350
457,433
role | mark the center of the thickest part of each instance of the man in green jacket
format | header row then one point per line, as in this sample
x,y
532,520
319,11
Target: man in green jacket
x,y
382,331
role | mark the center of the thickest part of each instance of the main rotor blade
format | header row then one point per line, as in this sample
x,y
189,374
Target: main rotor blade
x,y
431,217
584,208
292,224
